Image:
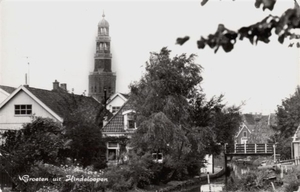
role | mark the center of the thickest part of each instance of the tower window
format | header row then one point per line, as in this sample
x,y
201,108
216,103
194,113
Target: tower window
x,y
101,46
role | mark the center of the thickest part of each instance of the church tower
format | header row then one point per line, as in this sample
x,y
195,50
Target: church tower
x,y
102,81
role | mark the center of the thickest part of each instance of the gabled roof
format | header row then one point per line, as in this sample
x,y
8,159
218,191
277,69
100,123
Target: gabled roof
x,y
242,128
7,89
116,123
260,126
249,119
60,103
121,95
125,95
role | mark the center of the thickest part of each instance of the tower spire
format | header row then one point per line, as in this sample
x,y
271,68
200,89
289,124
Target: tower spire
x,y
103,15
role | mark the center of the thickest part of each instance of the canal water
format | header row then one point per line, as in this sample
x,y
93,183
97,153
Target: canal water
x,y
237,169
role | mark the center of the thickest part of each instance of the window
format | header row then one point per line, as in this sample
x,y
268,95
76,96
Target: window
x,y
112,154
115,109
157,157
245,134
23,109
131,120
112,150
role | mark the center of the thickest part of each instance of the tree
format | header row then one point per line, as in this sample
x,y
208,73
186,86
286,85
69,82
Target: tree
x,y
42,140
173,116
288,115
222,121
260,31
82,129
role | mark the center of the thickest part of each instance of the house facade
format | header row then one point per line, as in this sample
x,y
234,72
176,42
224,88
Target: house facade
x,y
25,102
296,144
117,131
255,128
243,136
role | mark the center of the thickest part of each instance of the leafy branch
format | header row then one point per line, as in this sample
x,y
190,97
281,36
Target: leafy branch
x,y
260,31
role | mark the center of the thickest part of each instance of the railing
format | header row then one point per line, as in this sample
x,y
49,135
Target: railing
x,y
254,148
296,161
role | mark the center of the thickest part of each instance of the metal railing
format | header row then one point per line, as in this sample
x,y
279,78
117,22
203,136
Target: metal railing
x,y
254,148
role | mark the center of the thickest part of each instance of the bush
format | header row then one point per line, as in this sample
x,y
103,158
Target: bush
x,y
292,186
255,181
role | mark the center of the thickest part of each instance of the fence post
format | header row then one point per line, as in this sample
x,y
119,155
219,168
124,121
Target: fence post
x,y
266,148
274,149
245,150
255,148
235,148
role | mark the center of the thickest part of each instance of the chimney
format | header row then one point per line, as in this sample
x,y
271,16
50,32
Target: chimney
x,y
63,86
55,85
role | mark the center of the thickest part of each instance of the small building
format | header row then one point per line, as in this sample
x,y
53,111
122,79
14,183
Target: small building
x,y
296,144
255,128
117,131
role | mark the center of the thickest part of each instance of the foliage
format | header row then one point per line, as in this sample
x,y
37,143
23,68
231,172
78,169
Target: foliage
x,y
65,179
218,119
260,31
288,114
160,99
175,119
292,186
40,140
87,146
255,180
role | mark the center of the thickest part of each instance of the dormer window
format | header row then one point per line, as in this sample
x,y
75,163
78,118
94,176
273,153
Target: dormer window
x,y
245,134
129,119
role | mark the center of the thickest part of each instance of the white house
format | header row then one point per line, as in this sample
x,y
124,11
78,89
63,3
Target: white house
x,y
25,102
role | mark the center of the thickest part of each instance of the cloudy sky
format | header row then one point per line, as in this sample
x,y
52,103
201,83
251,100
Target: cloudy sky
x,y
57,38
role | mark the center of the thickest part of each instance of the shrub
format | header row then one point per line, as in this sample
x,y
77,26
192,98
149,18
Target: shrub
x,y
292,186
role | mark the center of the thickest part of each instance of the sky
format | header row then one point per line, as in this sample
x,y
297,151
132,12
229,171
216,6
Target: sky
x,y
57,39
